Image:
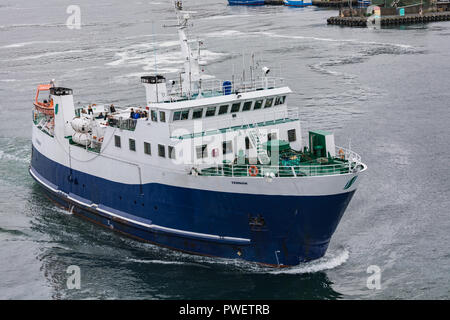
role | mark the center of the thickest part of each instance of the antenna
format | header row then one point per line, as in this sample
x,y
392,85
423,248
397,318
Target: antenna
x,y
243,68
154,46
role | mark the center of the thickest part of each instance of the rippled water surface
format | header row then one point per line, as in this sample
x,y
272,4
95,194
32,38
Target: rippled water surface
x,y
386,92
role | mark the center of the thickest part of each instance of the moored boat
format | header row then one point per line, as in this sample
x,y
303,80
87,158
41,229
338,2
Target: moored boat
x,y
298,3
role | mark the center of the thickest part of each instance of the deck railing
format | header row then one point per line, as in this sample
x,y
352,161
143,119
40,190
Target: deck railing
x,y
349,161
216,87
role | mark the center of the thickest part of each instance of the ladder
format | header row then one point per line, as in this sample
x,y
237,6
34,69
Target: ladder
x,y
255,138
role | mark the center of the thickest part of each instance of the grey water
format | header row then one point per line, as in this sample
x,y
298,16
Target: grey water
x,y
385,92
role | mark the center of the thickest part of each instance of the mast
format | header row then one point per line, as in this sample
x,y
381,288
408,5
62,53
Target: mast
x,y
191,75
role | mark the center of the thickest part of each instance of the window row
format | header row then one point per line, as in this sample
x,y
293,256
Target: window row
x,y
147,147
198,113
227,146
154,116
201,151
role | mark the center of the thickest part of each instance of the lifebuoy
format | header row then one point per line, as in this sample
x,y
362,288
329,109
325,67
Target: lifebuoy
x,y
253,171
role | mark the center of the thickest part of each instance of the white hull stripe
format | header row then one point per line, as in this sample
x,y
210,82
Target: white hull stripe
x,y
154,227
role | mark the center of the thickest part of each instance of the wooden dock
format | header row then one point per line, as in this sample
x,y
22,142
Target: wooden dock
x,y
391,20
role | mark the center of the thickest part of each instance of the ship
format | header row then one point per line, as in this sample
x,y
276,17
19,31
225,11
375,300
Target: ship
x,y
210,167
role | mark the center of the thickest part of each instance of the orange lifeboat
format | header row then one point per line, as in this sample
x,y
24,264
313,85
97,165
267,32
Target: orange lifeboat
x,y
44,107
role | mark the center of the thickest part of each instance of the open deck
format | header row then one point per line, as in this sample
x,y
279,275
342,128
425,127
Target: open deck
x,y
293,164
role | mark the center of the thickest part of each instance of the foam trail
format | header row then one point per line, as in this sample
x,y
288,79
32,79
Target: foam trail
x,y
329,261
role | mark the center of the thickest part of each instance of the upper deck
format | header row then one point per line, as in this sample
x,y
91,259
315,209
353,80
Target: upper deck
x,y
211,88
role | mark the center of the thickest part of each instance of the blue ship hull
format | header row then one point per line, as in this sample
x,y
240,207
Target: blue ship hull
x,y
295,228
246,2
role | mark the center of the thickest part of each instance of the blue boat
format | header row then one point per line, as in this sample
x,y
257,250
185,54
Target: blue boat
x,y
364,3
298,3
209,167
246,2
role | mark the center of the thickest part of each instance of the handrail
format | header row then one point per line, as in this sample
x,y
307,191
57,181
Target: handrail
x,y
351,162
231,170
216,87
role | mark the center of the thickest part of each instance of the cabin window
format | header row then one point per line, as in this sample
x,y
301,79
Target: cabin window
x,y
291,135
211,111
132,144
154,116
268,103
227,147
235,107
258,104
277,101
147,148
223,109
202,151
247,143
185,115
171,152
161,150
272,136
247,106
177,116
197,114
282,99
162,116
117,141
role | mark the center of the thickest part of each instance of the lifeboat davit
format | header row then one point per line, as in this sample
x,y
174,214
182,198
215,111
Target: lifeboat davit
x,y
44,107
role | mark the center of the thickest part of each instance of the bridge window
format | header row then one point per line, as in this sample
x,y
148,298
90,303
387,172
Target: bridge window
x,y
132,144
235,107
117,141
227,147
202,151
277,100
177,116
185,114
223,109
162,116
291,135
161,150
258,104
211,111
282,99
154,116
197,114
247,106
171,152
268,103
147,148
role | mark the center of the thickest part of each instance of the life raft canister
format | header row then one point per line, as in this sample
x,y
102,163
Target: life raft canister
x,y
253,171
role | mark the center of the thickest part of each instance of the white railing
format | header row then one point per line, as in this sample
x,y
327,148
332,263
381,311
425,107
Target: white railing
x,y
278,171
351,162
215,87
346,154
